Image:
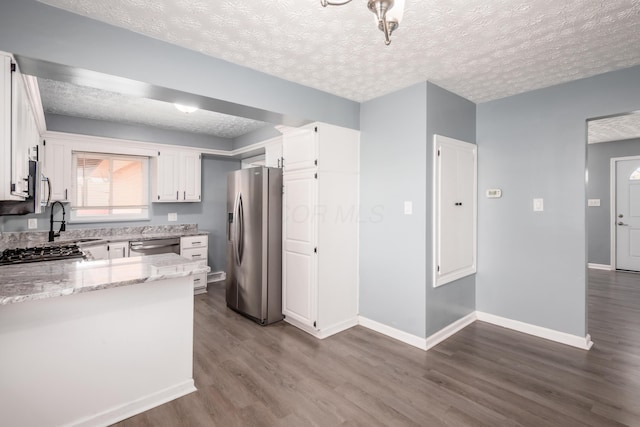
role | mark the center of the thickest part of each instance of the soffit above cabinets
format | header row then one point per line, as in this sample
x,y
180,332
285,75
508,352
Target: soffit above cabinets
x,y
616,128
479,49
87,102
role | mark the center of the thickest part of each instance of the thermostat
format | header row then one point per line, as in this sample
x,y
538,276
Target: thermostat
x,y
494,193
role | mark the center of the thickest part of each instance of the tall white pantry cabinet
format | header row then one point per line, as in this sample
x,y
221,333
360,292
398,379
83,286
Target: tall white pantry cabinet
x,y
320,228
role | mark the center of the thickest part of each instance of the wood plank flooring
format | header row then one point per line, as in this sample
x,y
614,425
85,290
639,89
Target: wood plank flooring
x,y
485,375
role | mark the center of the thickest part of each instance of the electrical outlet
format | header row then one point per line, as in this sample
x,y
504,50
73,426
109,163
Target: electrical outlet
x,y
408,208
172,217
593,202
32,223
538,205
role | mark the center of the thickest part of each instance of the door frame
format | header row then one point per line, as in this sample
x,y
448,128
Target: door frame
x,y
613,190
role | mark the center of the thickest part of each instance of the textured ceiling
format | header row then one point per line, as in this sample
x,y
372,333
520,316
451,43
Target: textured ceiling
x,y
80,101
479,49
614,128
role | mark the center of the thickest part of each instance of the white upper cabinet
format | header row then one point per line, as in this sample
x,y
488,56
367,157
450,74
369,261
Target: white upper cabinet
x,y
273,153
177,176
455,209
191,167
299,149
19,136
57,168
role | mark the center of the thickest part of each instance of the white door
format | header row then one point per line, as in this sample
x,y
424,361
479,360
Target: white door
x,y
628,215
299,150
298,245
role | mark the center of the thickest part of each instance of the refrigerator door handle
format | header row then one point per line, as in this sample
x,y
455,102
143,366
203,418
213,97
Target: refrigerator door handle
x,y
240,233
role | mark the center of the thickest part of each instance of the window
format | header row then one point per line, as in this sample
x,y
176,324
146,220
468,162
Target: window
x,y
635,175
109,187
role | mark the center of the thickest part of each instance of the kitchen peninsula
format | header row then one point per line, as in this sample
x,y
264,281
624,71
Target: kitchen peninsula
x,y
94,342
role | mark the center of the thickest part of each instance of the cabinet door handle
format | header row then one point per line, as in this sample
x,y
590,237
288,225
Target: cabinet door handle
x,y
185,195
177,195
65,193
123,252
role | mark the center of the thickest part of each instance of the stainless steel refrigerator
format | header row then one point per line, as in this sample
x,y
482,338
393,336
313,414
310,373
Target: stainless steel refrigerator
x,y
254,243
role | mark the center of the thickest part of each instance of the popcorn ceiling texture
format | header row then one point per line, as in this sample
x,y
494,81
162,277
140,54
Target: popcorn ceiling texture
x,y
81,101
479,49
614,128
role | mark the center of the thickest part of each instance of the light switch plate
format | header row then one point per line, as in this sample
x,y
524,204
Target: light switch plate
x,y
593,202
32,223
494,193
172,217
538,205
408,207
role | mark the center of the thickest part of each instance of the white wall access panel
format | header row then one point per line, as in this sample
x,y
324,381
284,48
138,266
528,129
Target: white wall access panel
x,y
455,209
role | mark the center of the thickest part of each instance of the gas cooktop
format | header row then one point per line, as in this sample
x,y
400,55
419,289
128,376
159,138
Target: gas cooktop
x,y
41,253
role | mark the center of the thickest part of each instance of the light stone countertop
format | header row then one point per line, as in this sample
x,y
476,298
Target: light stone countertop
x,y
32,281
102,235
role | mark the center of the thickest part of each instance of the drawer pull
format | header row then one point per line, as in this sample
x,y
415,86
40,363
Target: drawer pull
x,y
195,243
196,255
196,280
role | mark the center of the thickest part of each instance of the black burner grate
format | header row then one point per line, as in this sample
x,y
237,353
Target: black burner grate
x,y
37,254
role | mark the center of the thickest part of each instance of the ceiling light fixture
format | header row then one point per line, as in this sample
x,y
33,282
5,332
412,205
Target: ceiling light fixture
x,y
185,108
388,14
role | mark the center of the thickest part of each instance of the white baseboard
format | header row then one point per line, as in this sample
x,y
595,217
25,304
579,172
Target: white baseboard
x,y
447,331
325,332
583,343
416,341
121,412
600,266
394,333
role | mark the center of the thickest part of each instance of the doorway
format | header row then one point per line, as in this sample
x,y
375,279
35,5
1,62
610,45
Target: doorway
x,y
625,209
612,140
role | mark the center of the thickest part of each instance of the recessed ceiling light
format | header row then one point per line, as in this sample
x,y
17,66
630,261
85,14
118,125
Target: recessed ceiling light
x,y
185,108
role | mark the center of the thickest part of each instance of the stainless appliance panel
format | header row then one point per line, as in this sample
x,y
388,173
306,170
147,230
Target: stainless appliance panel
x,y
249,238
253,247
154,246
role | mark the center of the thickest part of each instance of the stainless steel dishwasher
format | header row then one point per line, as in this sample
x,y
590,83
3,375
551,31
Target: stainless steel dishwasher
x,y
154,246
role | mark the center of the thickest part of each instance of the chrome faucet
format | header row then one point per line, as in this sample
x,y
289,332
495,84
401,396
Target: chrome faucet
x,y
63,227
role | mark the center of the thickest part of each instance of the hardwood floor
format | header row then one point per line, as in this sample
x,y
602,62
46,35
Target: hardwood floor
x,y
249,375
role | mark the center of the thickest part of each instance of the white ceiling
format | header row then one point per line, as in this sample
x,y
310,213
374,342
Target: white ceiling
x,y
479,49
614,128
81,101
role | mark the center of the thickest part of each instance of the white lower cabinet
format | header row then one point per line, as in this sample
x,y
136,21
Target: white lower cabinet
x,y
196,248
320,229
112,250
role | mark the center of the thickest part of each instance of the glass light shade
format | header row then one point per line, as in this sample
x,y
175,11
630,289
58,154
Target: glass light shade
x,y
396,12
185,108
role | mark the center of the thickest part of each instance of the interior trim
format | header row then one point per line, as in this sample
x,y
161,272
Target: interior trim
x,y
599,266
577,341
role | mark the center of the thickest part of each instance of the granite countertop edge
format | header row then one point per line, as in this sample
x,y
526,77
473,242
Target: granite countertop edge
x,y
61,278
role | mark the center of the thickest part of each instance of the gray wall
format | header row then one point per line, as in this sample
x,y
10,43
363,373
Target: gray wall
x,y
598,187
396,286
106,129
453,116
531,265
392,245
38,31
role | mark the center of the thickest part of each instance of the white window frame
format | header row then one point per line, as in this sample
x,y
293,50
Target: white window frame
x,y
145,215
